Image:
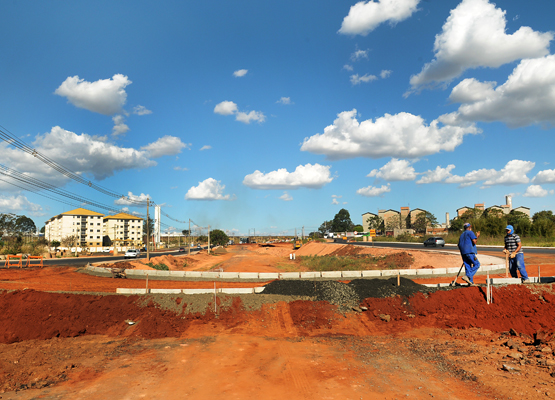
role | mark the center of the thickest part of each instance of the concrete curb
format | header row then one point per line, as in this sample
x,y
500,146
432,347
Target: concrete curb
x,y
266,276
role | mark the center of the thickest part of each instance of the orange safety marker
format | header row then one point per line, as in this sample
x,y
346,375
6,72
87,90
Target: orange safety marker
x,y
30,258
9,263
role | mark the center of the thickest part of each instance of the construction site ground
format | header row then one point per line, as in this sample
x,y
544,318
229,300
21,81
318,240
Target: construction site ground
x,y
65,334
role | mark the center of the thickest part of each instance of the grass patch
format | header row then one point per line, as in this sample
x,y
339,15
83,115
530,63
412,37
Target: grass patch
x,y
160,267
339,263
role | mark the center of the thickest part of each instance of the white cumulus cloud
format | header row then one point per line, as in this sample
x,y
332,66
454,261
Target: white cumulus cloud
x,y
537,191
230,108
286,197
474,36
209,189
250,116
205,147
357,80
359,54
240,72
385,73
372,191
119,125
365,16
165,146
141,110
132,200
105,96
545,176
402,135
395,170
437,175
307,176
19,204
526,98
284,100
225,108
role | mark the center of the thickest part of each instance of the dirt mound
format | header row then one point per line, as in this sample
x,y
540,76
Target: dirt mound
x,y
219,250
121,264
347,250
381,288
173,263
346,294
514,307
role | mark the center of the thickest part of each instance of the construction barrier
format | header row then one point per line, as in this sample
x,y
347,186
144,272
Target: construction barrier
x,y
17,261
31,258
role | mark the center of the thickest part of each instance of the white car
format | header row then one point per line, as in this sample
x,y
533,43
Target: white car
x,y
132,253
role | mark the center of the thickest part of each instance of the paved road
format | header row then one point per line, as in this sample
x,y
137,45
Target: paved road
x,y
453,247
82,261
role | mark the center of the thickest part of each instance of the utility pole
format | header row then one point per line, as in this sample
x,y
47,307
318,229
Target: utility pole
x,y
147,231
303,233
188,236
208,239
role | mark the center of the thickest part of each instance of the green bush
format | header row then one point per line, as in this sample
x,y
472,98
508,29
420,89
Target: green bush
x,y
160,267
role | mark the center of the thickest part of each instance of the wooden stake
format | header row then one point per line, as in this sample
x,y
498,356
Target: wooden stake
x,y
398,279
146,283
539,276
487,288
506,265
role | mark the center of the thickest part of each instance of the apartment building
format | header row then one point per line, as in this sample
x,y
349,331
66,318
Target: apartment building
x,y
123,230
95,229
86,224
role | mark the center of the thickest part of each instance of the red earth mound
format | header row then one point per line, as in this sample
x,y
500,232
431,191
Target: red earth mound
x,y
29,314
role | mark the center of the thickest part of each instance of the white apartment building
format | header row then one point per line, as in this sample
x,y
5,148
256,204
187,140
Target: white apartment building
x,y
123,229
95,229
86,224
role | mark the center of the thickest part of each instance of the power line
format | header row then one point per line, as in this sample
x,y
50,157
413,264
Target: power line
x,y
8,137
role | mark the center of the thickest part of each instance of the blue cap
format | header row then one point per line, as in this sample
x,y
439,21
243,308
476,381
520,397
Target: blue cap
x,y
510,229
467,225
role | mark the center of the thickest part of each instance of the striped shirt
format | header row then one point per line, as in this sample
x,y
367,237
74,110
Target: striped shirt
x,y
511,242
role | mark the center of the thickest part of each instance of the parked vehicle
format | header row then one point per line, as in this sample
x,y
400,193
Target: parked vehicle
x,y
132,253
434,241
182,249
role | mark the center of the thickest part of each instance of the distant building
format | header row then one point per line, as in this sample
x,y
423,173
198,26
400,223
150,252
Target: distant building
x,y
94,229
365,217
123,230
86,224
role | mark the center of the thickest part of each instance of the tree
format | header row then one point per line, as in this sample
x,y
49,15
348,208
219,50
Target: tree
x,y
358,228
218,237
70,241
7,224
342,222
325,227
43,229
185,232
456,225
375,222
423,220
520,221
150,226
24,224
55,244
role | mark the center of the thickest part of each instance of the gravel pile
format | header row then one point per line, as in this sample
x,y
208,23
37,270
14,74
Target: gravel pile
x,y
380,288
345,294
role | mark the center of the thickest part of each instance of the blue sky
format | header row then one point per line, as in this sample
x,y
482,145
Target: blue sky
x,y
274,115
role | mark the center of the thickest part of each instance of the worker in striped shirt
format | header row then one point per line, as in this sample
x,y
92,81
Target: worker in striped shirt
x,y
513,247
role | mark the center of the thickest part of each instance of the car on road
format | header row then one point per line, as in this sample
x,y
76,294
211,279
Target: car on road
x,y
182,249
434,241
132,253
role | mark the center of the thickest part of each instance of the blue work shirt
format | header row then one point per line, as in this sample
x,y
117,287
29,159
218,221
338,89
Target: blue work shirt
x,y
466,245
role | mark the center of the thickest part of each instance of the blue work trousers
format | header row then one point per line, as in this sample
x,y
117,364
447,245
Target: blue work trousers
x,y
518,263
471,265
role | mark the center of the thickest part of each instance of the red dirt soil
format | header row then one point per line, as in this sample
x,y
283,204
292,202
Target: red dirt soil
x,y
447,344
